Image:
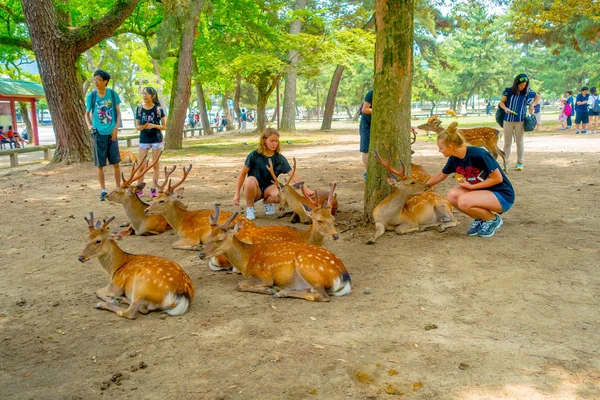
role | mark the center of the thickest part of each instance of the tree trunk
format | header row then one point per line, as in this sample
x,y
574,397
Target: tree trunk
x,y
24,110
390,124
227,113
180,98
158,81
288,117
56,49
236,100
202,109
347,108
266,85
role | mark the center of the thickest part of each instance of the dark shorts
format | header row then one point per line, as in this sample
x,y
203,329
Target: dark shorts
x,y
594,113
504,203
105,148
582,118
365,137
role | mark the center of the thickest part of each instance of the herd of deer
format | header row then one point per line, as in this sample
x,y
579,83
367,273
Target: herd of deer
x,y
297,266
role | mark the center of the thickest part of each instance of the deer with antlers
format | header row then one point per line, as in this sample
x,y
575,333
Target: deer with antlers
x,y
481,136
297,202
411,207
144,282
192,226
139,222
282,269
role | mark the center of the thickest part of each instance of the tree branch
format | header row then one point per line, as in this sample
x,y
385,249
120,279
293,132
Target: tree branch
x,y
18,19
16,42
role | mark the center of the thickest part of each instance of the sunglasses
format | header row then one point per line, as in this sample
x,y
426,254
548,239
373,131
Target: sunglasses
x,y
523,79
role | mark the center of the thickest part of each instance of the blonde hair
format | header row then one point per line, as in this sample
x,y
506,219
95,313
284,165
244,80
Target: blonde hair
x,y
451,136
262,142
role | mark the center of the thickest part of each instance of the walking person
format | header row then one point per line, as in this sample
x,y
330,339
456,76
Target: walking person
x,y
151,120
103,117
244,120
571,103
582,116
594,104
365,129
537,111
515,101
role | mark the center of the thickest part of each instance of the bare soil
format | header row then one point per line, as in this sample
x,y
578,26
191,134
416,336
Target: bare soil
x,y
431,315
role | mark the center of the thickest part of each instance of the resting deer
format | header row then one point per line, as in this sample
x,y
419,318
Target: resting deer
x,y
140,223
282,269
192,226
127,157
289,196
410,207
451,113
322,227
481,136
144,282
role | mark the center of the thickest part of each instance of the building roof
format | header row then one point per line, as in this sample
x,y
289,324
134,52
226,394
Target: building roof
x,y
12,88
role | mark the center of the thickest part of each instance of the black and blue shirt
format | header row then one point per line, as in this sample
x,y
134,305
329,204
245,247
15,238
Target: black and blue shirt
x,y
517,103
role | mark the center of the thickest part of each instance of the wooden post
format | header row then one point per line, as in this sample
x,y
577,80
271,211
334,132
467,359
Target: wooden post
x,y
14,161
34,135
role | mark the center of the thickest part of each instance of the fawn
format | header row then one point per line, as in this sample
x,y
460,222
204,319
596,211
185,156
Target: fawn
x,y
289,196
192,226
410,207
282,269
482,136
144,282
322,227
140,223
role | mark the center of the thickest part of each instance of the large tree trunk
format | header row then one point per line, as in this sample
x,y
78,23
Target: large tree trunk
x,y
180,98
158,81
288,117
227,113
236,100
201,103
24,110
335,84
266,85
56,47
390,124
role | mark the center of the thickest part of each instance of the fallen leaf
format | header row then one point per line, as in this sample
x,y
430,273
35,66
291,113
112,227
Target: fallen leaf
x,y
464,366
363,378
378,365
392,372
60,331
318,346
26,374
341,360
277,357
390,390
394,361
313,391
430,327
417,386
166,338
274,307
313,318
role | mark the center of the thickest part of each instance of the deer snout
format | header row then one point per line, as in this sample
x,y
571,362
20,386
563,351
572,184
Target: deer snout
x,y
336,237
202,256
82,259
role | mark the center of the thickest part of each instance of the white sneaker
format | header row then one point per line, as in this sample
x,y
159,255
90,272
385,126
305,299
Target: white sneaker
x,y
250,214
269,208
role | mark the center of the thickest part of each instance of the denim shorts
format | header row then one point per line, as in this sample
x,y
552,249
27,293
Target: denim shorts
x,y
503,202
153,146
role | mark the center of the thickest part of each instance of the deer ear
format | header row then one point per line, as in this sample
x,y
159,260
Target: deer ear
x,y
391,180
237,227
307,208
298,185
177,194
140,186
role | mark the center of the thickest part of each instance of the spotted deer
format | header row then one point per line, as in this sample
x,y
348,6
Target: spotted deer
x,y
139,222
192,226
450,112
411,207
282,269
481,136
144,282
323,226
128,157
289,196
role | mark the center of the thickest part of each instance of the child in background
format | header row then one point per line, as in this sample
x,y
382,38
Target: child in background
x,y
562,117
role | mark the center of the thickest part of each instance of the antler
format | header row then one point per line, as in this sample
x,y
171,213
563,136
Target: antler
x,y
413,135
214,220
170,189
272,171
161,188
387,165
90,221
134,169
311,202
135,174
106,222
293,172
225,226
331,197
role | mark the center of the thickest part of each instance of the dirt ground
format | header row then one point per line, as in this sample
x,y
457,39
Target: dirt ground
x,y
516,316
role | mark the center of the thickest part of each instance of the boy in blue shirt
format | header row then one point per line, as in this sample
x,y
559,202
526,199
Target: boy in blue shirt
x,y
582,116
103,118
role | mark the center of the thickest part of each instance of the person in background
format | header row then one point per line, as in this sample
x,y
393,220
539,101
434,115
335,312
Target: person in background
x,y
569,96
244,120
4,137
515,101
151,120
562,117
537,111
488,108
594,105
582,117
365,129
103,117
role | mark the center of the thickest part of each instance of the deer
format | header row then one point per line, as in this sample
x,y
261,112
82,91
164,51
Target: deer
x,y
282,269
289,196
127,157
481,136
139,222
450,112
192,226
144,282
322,227
411,207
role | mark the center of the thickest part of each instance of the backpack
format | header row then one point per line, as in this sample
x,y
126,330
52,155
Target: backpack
x,y
596,104
568,110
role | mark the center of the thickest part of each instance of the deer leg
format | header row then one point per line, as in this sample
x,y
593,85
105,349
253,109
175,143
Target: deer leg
x,y
317,293
108,306
131,312
186,244
379,230
284,214
254,285
408,227
109,292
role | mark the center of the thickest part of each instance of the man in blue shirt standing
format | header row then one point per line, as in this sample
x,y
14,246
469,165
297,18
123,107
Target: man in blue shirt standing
x,y
103,117
365,128
582,116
